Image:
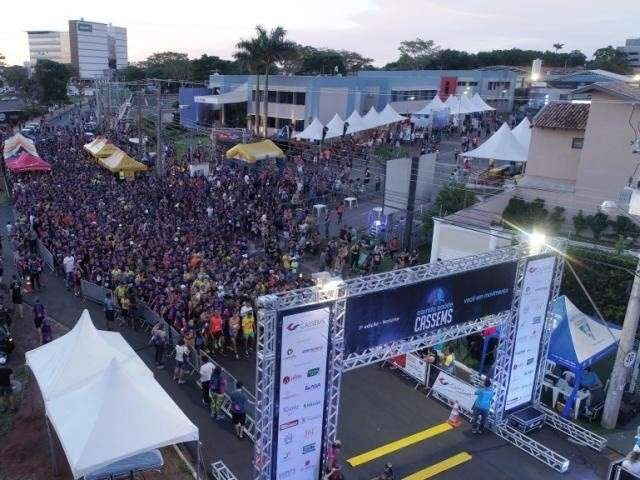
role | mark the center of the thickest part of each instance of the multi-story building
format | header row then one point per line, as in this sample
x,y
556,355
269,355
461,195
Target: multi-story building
x,y
49,45
299,99
632,50
96,48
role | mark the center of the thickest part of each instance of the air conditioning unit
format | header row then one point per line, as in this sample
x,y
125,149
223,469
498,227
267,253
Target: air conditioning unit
x,y
629,200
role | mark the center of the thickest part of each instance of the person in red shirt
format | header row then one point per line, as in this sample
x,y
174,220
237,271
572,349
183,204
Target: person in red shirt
x,y
215,332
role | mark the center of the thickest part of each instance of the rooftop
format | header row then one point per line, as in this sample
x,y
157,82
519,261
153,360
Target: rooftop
x,y
564,116
622,90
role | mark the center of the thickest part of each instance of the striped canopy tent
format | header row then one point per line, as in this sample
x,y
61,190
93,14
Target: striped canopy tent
x,y
101,148
26,162
12,145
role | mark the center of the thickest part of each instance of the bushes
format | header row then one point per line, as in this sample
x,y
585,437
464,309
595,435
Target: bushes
x,y
522,215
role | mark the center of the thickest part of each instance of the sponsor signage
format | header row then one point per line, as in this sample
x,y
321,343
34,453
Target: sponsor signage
x,y
534,299
412,365
455,390
378,318
303,351
85,27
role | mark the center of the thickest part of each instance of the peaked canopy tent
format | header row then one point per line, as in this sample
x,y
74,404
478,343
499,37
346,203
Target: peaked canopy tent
x,y
12,145
120,162
436,105
78,356
312,132
115,416
252,152
371,119
522,132
460,105
26,162
480,104
578,342
101,148
356,123
502,145
335,127
389,115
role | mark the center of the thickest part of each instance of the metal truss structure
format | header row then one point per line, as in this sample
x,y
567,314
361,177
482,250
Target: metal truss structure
x,y
336,294
219,471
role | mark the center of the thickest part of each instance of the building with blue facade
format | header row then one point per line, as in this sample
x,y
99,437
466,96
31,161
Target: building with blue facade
x,y
297,100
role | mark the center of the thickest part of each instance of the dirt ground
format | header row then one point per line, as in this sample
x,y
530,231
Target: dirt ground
x,y
24,445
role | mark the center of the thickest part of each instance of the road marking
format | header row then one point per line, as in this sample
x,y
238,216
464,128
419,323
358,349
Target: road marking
x,y
398,444
440,467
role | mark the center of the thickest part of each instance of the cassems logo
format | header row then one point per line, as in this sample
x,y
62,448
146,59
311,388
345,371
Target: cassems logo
x,y
287,425
312,372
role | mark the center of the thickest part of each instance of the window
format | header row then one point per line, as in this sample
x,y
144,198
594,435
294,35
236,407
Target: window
x,y
285,97
298,125
271,122
499,85
300,98
412,95
272,96
577,143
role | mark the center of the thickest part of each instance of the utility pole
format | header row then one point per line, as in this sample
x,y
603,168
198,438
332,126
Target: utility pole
x,y
140,132
411,201
159,153
109,110
623,364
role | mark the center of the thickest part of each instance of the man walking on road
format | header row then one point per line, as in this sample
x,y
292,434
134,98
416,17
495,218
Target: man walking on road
x,y
206,370
109,311
238,409
69,265
217,387
39,315
159,341
16,295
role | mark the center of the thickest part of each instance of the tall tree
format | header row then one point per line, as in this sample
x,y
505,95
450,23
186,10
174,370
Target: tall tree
x,y
354,62
206,65
131,73
558,47
248,55
52,79
611,59
168,65
419,52
269,49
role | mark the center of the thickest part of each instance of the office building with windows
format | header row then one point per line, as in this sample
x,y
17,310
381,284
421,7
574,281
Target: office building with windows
x,y
49,45
297,100
96,48
632,49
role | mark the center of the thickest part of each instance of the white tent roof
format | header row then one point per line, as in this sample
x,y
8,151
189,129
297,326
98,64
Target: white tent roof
x,y
502,145
371,119
356,124
389,115
460,105
480,103
313,131
115,416
75,358
523,133
237,95
435,105
335,126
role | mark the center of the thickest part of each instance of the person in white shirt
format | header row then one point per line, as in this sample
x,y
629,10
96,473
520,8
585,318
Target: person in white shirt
x,y
205,379
9,229
181,352
69,265
632,463
209,211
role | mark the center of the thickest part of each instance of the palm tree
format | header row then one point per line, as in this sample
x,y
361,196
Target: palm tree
x,y
266,50
248,56
558,46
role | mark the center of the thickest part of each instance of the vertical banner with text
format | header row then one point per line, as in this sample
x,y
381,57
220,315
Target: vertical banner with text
x,y
300,393
534,301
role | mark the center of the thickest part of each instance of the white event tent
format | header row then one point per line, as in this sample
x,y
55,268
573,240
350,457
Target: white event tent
x,y
436,105
502,145
77,357
523,133
371,119
116,416
356,123
312,132
102,400
480,104
335,127
389,115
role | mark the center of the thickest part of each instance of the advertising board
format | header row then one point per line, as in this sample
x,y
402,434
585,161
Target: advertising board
x,y
392,315
303,351
455,390
534,300
412,365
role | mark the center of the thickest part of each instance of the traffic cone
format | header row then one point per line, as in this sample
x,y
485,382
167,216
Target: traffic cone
x,y
454,417
28,288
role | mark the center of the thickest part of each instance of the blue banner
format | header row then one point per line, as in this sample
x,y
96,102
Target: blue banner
x,y
377,318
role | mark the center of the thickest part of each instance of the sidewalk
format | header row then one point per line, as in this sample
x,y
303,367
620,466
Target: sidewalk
x,y
218,438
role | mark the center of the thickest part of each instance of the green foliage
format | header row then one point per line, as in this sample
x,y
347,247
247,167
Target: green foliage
x,y
528,216
611,59
624,227
609,286
598,223
168,65
51,79
450,199
131,73
207,65
580,223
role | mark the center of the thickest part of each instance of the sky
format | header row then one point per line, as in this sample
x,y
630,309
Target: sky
x,y
373,28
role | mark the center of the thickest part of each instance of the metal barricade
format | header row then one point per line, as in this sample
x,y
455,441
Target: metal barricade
x,y
219,471
617,472
93,292
46,255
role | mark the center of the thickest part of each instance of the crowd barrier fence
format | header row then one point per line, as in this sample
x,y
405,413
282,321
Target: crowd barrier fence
x,y
46,255
617,472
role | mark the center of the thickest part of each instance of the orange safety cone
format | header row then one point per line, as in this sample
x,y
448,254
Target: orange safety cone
x,y
454,417
28,288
